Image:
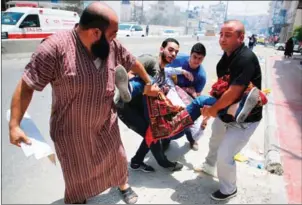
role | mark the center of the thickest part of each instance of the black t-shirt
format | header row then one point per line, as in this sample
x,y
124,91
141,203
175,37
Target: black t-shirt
x,y
243,67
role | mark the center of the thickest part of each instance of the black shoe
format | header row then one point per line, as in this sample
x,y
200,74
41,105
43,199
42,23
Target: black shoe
x,y
194,145
176,167
83,202
142,167
218,196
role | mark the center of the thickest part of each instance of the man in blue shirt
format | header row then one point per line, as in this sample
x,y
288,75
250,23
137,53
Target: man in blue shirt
x,y
187,72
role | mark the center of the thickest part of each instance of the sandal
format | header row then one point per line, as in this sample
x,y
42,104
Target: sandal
x,y
129,196
83,202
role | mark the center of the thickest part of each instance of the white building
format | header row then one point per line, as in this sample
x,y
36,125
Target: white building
x,y
217,13
125,11
293,17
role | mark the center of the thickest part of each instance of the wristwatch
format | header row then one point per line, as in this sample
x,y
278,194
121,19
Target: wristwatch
x,y
147,84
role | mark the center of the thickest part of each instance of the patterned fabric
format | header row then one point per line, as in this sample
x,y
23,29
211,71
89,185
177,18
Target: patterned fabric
x,y
220,86
83,124
166,120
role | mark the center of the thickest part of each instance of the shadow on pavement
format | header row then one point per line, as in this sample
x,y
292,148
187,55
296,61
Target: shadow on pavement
x,y
162,178
60,201
293,155
111,197
196,191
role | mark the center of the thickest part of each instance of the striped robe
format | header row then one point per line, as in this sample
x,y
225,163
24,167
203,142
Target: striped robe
x,y
83,124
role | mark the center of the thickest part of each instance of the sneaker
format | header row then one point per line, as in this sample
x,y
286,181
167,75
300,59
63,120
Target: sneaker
x,y
218,196
206,168
142,167
250,102
176,167
194,145
122,83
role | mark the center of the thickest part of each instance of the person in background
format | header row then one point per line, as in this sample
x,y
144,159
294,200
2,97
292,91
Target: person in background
x,y
289,48
147,30
252,42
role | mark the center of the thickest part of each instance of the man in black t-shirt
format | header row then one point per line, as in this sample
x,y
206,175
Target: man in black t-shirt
x,y
227,140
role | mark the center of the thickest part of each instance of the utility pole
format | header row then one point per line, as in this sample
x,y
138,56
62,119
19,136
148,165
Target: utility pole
x,y
226,11
187,18
142,14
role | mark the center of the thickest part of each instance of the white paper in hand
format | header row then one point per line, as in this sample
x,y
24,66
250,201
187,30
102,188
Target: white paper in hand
x,y
39,147
174,98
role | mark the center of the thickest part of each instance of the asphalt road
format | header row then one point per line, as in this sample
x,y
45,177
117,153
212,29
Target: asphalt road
x,y
26,180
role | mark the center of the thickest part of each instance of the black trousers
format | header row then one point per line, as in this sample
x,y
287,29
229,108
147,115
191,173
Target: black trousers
x,y
134,119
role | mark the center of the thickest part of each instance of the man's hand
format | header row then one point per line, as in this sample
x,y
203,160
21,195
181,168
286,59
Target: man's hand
x,y
131,74
188,75
208,111
17,136
151,90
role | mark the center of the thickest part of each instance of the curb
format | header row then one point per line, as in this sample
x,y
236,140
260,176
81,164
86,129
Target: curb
x,y
271,143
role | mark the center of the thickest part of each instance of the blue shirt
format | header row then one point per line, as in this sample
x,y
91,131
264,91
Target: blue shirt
x,y
182,60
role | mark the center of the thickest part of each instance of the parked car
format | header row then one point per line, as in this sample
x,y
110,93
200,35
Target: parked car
x,y
297,47
261,39
127,30
170,33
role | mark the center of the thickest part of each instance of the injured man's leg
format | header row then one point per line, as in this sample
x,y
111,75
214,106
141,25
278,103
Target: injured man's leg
x,y
136,86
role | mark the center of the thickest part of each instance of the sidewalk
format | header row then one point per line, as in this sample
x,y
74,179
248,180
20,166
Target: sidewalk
x,y
286,78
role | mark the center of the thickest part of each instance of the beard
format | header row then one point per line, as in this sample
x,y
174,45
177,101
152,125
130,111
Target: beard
x,y
101,48
164,58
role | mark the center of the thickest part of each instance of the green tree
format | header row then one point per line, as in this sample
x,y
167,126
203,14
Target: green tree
x,y
298,33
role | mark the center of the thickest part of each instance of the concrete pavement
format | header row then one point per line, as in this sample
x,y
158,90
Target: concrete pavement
x,y
286,77
41,182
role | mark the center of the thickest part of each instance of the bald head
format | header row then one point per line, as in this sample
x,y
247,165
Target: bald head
x,y
98,15
237,25
231,35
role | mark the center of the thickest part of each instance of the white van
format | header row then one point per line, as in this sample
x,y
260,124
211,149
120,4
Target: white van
x,y
28,22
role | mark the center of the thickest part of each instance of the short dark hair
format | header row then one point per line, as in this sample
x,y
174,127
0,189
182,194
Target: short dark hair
x,y
90,19
165,42
199,49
